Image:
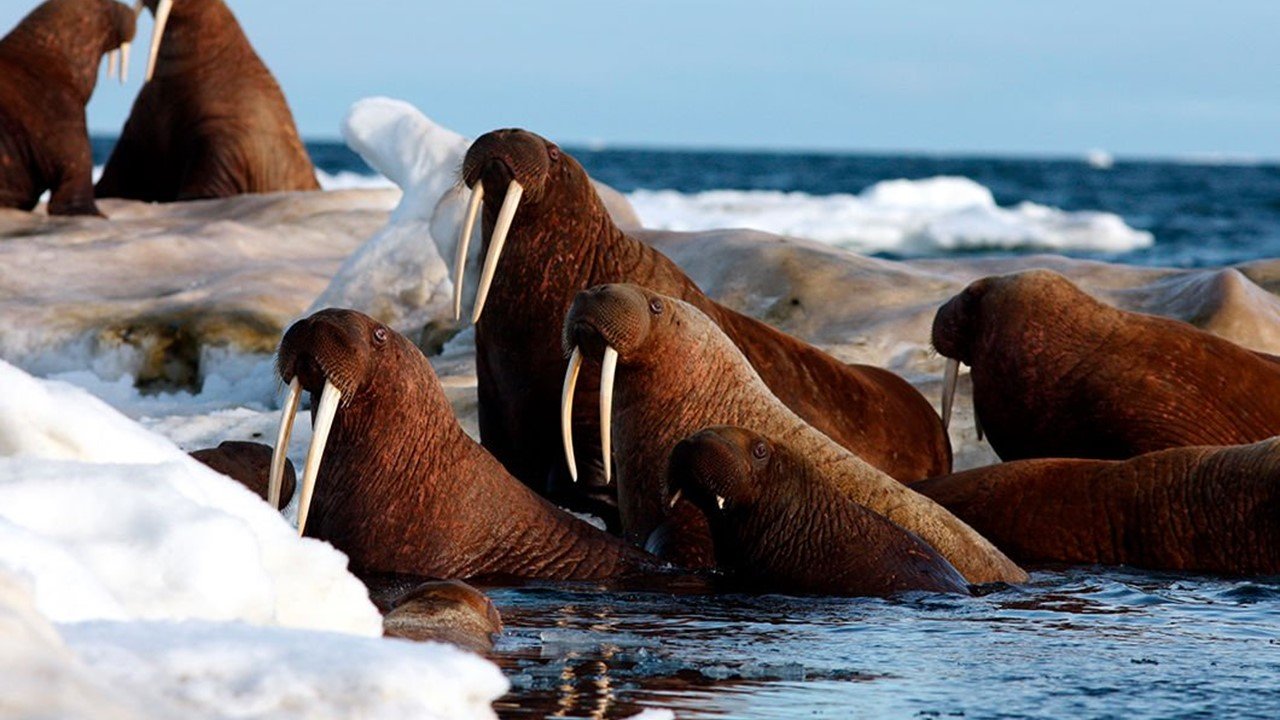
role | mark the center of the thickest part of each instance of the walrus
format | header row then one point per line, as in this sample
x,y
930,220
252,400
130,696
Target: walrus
x,y
392,480
549,236
448,611
780,526
1195,509
211,121
48,70
249,463
668,371
1058,374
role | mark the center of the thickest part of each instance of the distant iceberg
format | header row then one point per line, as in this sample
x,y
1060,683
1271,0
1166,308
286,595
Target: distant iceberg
x,y
908,217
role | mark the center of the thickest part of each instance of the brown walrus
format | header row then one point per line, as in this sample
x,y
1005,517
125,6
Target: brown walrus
x,y
780,526
48,69
668,371
1058,374
211,120
551,236
1205,509
249,463
392,480
448,611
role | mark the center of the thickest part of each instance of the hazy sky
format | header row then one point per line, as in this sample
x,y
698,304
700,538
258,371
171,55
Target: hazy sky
x,y
1007,76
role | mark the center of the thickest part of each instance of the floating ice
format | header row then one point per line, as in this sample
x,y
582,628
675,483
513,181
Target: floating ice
x,y
910,217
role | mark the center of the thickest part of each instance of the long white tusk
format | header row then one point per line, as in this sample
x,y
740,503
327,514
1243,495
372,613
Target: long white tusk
x,y
566,410
608,368
157,34
500,228
288,415
949,377
325,412
719,502
113,63
464,242
125,48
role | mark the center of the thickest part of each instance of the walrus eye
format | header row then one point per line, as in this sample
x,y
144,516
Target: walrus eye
x,y
553,152
379,335
759,450
655,306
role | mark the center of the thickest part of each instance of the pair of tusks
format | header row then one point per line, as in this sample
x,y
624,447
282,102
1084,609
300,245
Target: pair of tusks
x,y
500,229
119,58
608,371
676,498
950,375
326,409
118,62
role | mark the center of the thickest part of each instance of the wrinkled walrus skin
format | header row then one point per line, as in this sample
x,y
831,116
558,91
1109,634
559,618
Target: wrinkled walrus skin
x,y
211,123
1058,374
48,70
562,240
1191,509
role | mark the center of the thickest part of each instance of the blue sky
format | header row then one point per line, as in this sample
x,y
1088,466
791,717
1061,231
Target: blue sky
x,y
1003,76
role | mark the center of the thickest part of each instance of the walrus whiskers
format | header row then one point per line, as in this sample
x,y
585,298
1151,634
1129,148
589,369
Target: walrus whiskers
x,y
949,377
566,410
464,243
288,413
500,229
157,34
325,412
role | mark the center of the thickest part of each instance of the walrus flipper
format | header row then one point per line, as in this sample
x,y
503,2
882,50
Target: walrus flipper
x,y
72,190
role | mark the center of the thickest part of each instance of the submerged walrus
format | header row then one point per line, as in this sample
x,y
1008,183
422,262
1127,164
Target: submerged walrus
x,y
48,69
668,371
1200,509
249,463
779,525
211,121
394,482
549,236
1058,374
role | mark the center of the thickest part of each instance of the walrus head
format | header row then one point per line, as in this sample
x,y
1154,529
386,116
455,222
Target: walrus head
x,y
336,355
960,326
714,469
529,171
607,322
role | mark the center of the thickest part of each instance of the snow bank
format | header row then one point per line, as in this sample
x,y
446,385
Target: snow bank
x,y
910,217
235,670
108,520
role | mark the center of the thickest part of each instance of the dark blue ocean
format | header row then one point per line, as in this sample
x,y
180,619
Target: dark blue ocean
x,y
1200,214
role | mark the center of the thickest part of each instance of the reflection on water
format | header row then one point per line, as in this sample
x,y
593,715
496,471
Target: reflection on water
x,y
1072,643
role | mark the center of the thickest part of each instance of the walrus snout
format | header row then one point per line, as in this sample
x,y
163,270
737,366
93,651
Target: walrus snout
x,y
500,156
710,468
604,316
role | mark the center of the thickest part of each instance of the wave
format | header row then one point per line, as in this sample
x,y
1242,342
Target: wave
x,y
908,217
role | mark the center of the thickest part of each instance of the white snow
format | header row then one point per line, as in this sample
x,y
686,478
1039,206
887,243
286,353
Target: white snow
x,y
180,592
910,217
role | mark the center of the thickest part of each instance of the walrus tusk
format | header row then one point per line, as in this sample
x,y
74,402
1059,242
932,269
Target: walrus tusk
x,y
719,502
500,228
157,34
675,499
566,410
125,48
608,369
464,242
113,63
288,415
949,377
325,411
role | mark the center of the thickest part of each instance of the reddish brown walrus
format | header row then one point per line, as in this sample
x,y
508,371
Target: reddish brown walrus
x,y
668,371
48,69
211,122
780,526
394,482
562,240
1206,509
1058,374
249,463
